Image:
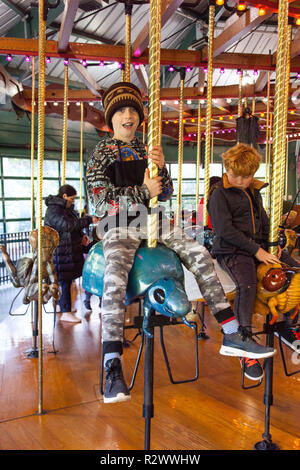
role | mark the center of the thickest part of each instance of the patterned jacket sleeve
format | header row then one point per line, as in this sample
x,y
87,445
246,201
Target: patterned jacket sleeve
x,y
167,185
104,196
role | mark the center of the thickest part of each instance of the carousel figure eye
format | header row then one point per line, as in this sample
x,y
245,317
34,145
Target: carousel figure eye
x,y
159,296
274,280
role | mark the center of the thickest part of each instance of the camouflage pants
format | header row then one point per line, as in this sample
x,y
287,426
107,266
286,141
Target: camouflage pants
x,y
120,245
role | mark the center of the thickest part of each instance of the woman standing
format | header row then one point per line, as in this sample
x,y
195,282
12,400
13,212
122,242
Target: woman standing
x,y
68,257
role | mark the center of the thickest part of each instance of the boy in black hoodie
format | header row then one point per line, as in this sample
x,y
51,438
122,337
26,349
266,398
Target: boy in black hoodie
x,y
241,228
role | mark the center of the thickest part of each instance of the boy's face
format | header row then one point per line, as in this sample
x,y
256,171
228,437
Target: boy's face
x,y
125,122
241,182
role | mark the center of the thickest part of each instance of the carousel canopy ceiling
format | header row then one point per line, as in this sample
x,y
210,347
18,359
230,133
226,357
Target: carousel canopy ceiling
x,y
91,35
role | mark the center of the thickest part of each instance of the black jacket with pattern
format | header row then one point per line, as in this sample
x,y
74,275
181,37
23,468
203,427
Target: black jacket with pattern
x,y
116,169
240,222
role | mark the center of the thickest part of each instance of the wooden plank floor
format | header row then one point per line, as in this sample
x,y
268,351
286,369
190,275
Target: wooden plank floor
x,y
213,413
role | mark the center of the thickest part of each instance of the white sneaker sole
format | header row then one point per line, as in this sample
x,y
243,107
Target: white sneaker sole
x,y
229,351
119,398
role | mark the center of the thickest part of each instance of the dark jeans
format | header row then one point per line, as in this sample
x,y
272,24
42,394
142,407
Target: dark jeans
x,y
242,270
65,298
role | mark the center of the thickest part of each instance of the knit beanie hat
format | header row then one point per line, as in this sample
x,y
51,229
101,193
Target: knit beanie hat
x,y
120,95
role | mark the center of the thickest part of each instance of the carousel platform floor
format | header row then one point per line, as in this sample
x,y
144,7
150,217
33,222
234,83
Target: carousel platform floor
x,y
212,413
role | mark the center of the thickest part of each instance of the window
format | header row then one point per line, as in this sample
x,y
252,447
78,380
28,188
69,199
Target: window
x,y
15,189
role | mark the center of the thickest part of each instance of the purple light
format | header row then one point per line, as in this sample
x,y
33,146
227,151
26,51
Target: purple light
x,y
188,69
222,70
171,68
101,63
189,135
137,66
292,123
239,72
137,53
66,61
205,70
255,72
27,58
229,130
119,65
48,60
84,63
9,58
298,75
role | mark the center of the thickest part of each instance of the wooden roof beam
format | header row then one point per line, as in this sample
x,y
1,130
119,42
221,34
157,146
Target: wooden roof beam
x,y
239,26
176,57
71,7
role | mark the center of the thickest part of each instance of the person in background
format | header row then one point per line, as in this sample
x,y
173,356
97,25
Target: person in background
x,y
68,257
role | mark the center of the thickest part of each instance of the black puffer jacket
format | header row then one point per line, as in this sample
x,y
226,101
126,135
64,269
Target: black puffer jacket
x,y
68,256
238,219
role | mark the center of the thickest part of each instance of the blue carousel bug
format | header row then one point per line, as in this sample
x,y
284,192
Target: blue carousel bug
x,y
156,275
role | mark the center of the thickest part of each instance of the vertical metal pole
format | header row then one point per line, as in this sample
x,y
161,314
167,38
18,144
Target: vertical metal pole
x,y
81,157
148,407
240,103
208,108
267,154
280,110
32,141
180,147
40,159
65,125
198,155
154,106
128,11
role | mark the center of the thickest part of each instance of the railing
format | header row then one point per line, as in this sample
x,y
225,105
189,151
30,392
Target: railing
x,y
16,245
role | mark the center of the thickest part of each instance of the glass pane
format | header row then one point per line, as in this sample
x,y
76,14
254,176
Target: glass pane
x,y
18,226
261,172
188,170
17,188
50,168
49,187
187,187
72,170
1,228
215,169
17,209
16,166
76,185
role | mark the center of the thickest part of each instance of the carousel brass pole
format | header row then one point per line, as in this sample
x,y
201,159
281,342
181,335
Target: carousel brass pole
x,y
81,156
65,126
284,156
286,168
212,147
280,110
32,141
253,105
208,108
240,103
40,160
198,154
154,105
180,147
267,156
128,11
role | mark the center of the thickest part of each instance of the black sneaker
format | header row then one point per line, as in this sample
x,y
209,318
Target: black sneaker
x,y
252,368
115,389
290,337
242,344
